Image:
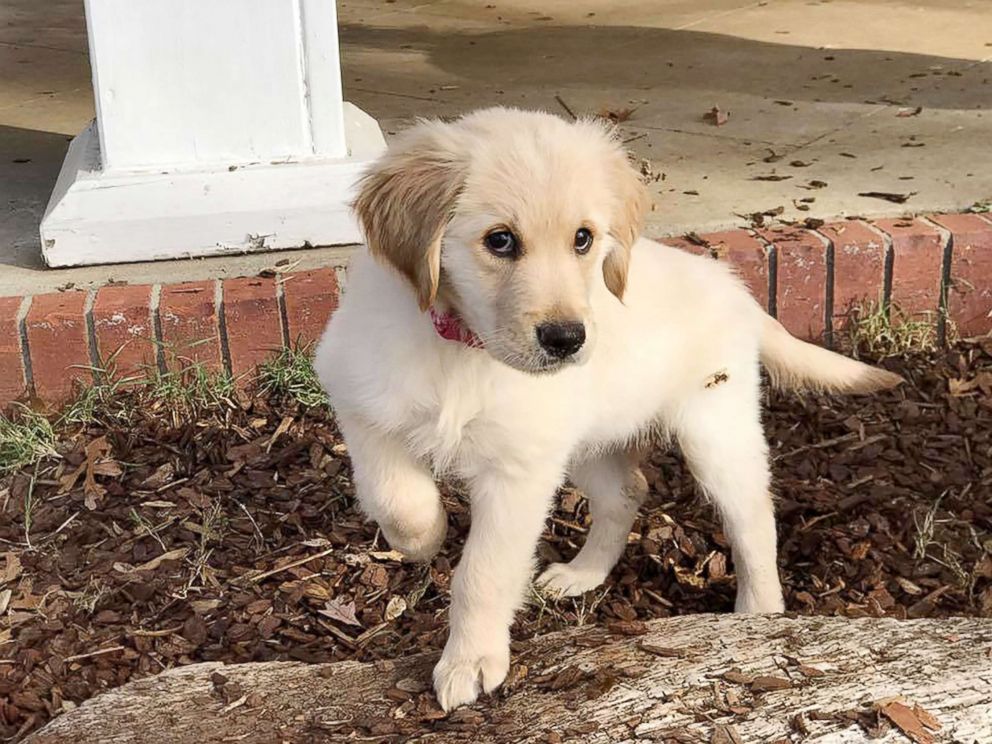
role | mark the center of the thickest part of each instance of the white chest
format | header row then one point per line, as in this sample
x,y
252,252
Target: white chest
x,y
489,414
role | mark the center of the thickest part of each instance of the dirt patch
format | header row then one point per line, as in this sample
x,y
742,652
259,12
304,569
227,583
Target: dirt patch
x,y
158,539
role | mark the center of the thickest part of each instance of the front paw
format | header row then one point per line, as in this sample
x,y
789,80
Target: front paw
x,y
568,580
460,675
418,542
765,602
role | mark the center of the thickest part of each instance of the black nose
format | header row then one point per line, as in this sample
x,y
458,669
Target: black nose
x,y
561,339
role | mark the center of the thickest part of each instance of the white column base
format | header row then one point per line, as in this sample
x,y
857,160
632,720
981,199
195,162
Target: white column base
x,y
97,216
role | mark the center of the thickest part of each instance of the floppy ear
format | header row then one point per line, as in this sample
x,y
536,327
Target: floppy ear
x,y
405,201
630,202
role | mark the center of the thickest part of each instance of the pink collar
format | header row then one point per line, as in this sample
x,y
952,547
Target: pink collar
x,y
450,327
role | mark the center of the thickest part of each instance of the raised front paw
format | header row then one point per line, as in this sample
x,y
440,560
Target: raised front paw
x,y
568,580
460,676
418,541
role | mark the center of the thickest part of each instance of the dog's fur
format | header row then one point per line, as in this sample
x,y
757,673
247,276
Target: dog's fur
x,y
672,349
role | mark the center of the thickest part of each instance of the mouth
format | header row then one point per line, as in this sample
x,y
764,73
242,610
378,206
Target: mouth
x,y
538,364
549,367
525,355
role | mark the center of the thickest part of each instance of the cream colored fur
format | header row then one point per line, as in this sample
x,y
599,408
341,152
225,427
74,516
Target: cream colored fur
x,y
678,355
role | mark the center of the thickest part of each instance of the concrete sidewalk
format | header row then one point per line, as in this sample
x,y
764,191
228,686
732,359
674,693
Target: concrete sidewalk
x,y
826,100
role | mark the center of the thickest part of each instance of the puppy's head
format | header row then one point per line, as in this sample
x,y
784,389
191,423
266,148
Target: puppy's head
x,y
511,219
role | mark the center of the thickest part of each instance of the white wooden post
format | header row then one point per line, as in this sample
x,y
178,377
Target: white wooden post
x,y
220,128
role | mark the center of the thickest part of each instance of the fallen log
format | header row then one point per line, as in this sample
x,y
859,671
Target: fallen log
x,y
705,678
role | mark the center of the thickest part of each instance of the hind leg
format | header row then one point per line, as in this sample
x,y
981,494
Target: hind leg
x,y
615,488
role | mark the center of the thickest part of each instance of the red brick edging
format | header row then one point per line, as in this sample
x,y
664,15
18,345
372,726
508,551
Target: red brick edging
x,y
52,343
937,268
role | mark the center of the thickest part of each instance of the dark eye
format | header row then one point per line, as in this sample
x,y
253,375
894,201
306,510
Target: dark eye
x,y
502,243
583,240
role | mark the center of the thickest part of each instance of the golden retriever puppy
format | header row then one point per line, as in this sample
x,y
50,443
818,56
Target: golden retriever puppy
x,y
508,327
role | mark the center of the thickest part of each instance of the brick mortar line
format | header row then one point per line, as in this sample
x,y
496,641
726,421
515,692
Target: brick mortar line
x,y
944,280
945,289
771,261
158,339
22,333
828,287
771,256
225,349
283,316
91,346
888,265
828,300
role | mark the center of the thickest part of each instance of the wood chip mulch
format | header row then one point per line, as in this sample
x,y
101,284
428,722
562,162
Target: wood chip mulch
x,y
231,535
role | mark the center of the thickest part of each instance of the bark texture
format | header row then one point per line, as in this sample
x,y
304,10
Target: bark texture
x,y
705,678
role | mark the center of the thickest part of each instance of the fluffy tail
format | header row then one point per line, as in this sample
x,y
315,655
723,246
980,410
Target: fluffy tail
x,y
796,365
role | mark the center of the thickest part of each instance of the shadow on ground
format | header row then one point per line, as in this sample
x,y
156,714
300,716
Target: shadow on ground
x,y
29,166
664,59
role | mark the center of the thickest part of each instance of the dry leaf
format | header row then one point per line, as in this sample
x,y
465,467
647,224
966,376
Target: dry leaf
x,y
959,388
12,569
95,452
92,490
107,467
97,448
617,116
162,475
888,196
716,117
68,481
338,610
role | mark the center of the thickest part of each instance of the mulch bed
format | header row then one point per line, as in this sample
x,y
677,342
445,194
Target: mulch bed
x,y
231,535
